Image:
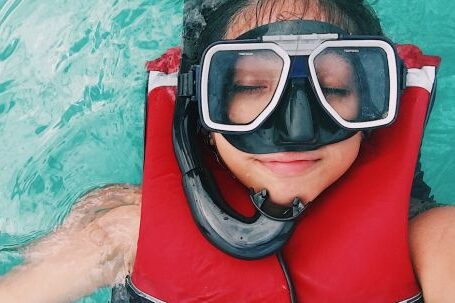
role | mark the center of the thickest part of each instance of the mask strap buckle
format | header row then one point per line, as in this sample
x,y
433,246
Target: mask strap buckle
x,y
186,86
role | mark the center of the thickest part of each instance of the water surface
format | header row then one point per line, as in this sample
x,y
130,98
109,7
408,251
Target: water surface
x,y
72,87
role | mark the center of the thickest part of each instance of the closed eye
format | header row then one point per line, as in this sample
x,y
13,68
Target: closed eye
x,y
330,91
238,88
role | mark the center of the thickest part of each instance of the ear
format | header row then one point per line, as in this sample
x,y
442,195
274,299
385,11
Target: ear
x,y
211,140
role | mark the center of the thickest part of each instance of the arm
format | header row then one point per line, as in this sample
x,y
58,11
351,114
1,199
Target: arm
x,y
432,244
95,247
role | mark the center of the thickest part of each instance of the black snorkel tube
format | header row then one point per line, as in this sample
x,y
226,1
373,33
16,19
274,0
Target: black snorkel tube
x,y
236,235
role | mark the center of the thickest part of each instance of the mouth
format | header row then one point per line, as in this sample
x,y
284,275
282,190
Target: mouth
x,y
289,164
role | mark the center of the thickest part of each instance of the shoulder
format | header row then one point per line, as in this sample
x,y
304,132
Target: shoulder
x,y
432,245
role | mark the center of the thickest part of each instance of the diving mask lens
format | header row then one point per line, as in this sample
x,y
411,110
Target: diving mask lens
x,y
355,81
241,84
248,82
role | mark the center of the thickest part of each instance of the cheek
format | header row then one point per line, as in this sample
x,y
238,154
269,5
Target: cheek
x,y
341,155
348,107
237,161
243,111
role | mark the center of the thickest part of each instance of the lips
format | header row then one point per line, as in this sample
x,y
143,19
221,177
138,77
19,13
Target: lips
x,y
289,164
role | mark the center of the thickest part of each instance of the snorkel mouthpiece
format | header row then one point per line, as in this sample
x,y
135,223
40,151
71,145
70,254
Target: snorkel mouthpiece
x,y
274,211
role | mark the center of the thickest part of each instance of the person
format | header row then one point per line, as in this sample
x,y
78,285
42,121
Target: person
x,y
97,241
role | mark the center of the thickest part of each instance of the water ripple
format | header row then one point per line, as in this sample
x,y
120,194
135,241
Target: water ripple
x,y
9,50
7,9
72,93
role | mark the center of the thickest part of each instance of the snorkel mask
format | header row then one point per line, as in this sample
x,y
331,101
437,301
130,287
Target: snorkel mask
x,y
285,86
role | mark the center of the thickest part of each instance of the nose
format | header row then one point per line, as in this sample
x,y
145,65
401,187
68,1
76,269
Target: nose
x,y
295,122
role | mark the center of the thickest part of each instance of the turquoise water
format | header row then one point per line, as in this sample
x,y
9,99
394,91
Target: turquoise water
x,y
72,88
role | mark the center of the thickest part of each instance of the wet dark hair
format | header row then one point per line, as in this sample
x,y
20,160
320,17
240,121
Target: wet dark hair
x,y
354,16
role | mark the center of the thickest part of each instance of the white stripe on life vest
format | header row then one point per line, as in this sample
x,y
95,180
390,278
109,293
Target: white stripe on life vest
x,y
157,79
421,77
142,294
415,299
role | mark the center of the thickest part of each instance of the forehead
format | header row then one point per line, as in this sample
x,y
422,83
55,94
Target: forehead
x,y
253,16
259,61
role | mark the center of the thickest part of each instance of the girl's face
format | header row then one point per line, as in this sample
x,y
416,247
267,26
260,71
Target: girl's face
x,y
289,174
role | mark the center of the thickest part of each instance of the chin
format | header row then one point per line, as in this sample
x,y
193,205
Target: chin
x,y
287,198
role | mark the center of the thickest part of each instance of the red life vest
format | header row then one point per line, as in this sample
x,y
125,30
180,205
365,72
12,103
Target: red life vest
x,y
350,246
